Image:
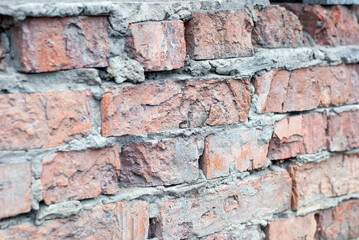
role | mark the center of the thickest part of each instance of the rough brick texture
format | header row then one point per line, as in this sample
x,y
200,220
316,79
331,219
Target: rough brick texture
x,y
244,148
302,134
144,164
342,222
219,34
178,104
343,131
61,43
120,221
335,25
277,27
308,88
43,120
245,233
15,189
292,228
227,204
80,174
334,177
158,45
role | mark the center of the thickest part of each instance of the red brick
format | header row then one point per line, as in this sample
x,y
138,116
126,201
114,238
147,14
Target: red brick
x,y
308,88
335,25
226,205
158,45
245,233
342,222
15,189
80,175
144,164
343,131
174,104
219,34
236,146
334,177
51,44
302,134
43,120
277,27
292,228
121,221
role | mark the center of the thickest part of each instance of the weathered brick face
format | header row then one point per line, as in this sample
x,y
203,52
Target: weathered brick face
x,y
15,189
277,27
44,120
123,220
219,34
145,164
335,25
158,45
80,174
308,88
292,228
179,104
315,181
303,134
343,131
227,204
61,43
239,147
342,222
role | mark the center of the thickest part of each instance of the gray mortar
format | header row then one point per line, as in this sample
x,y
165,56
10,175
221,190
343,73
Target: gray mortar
x,y
58,210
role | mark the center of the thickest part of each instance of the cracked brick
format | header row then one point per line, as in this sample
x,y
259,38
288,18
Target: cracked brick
x,y
174,104
80,174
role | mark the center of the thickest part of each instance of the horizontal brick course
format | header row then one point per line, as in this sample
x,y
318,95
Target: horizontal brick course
x,y
80,174
123,220
44,120
51,44
15,189
178,104
307,88
334,177
226,204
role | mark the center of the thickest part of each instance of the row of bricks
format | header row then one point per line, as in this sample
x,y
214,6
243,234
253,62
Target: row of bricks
x,y
227,205
51,44
86,174
45,120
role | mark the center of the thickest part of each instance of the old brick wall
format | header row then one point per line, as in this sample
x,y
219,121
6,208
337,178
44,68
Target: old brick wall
x,y
189,119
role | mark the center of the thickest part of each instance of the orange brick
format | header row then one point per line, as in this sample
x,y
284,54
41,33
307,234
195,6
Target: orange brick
x,y
317,181
174,104
342,222
303,134
292,228
343,131
80,174
307,88
121,221
158,45
239,147
51,44
44,120
15,189
219,34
